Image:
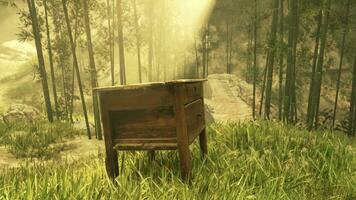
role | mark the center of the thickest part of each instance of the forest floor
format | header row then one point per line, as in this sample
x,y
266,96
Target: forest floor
x,y
71,150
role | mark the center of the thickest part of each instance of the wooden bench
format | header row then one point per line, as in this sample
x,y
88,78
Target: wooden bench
x,y
153,116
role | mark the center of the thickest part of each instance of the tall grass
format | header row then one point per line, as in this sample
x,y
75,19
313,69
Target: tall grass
x,y
39,139
254,160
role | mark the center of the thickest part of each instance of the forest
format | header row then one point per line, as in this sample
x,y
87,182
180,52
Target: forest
x,y
257,99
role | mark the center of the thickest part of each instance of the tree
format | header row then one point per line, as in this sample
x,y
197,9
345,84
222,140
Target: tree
x,y
319,68
49,46
352,118
76,67
271,52
111,43
93,77
41,64
315,58
281,60
121,43
150,41
138,42
254,61
290,72
341,59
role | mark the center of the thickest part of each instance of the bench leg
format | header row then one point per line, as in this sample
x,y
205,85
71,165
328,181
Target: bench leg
x,y
151,155
203,142
112,165
185,162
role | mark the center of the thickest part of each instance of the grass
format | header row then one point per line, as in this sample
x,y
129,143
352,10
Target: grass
x,y
253,160
39,139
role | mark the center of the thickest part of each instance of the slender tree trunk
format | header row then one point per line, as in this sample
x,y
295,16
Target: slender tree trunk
x,y
121,43
263,86
196,59
41,64
315,59
49,46
204,53
227,44
254,62
352,120
207,50
150,41
93,76
76,67
281,61
113,42
73,68
293,89
110,38
320,63
272,52
289,73
138,43
341,60
230,39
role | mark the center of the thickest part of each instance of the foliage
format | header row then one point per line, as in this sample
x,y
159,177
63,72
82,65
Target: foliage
x,y
253,160
38,139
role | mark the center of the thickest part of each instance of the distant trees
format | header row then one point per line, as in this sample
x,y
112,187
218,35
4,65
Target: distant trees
x,y
297,47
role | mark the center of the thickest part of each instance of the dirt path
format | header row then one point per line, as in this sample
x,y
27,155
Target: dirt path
x,y
226,98
74,150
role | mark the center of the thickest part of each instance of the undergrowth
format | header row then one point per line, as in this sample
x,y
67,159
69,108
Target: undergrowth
x,y
38,139
253,160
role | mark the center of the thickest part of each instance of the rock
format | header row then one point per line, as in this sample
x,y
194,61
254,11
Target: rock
x,y
21,112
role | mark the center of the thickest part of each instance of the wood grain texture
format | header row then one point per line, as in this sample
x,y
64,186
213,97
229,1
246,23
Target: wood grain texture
x,y
155,116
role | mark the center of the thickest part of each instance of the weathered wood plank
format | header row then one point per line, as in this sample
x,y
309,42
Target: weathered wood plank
x,y
195,119
138,98
146,147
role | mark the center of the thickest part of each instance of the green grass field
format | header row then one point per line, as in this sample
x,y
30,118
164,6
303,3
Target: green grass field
x,y
252,160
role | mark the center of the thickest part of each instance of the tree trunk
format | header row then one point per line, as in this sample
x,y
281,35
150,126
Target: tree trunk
x,y
312,81
263,86
49,46
93,76
341,60
292,21
110,38
121,43
150,41
352,120
254,62
227,44
293,89
320,63
281,54
138,43
113,42
196,59
272,52
41,64
76,67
